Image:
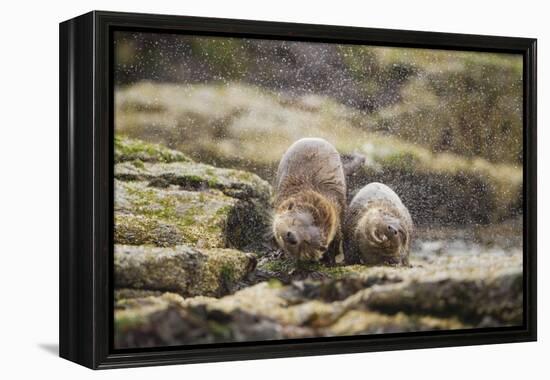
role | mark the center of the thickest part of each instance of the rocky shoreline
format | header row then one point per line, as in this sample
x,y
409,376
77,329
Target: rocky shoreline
x,y
193,266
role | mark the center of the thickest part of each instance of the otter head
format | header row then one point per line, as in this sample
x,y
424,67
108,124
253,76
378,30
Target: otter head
x,y
297,233
382,238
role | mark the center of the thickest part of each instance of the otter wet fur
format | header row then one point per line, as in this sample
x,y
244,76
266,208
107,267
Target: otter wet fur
x,y
310,199
377,228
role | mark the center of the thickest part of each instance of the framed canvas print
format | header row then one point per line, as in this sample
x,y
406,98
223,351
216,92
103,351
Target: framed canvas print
x,y
237,189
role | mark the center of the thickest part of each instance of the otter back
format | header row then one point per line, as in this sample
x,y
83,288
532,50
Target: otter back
x,y
311,163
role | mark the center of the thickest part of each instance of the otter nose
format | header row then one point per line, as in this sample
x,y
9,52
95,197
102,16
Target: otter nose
x,y
291,238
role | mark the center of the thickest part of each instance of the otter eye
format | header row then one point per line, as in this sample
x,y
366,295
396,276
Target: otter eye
x,y
291,205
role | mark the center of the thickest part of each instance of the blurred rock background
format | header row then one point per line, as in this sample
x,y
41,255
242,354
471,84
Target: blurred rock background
x,y
468,103
444,128
200,126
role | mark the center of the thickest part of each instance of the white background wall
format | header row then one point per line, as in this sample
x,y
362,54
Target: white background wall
x,y
29,187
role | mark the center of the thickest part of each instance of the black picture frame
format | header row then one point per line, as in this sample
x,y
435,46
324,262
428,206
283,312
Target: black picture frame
x,y
86,188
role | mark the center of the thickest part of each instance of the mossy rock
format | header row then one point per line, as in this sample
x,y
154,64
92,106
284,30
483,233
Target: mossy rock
x,y
137,151
170,216
355,322
171,320
481,302
450,292
128,293
185,270
445,293
468,265
194,176
164,321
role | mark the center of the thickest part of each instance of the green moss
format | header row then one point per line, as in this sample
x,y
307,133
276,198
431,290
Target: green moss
x,y
278,266
219,330
227,274
286,266
202,198
147,202
137,229
224,210
126,322
273,283
213,228
127,149
245,176
331,271
187,220
337,272
195,216
138,164
402,160
194,178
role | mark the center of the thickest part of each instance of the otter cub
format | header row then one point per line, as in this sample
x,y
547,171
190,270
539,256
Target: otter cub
x,y
310,197
377,227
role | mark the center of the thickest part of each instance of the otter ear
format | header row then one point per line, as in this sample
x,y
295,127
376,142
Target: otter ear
x,y
291,205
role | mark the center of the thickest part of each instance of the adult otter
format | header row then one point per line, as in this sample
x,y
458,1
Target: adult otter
x,y
310,197
377,227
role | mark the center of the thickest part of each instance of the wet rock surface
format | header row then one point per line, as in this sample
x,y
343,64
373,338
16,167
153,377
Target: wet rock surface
x,y
194,176
168,200
170,216
162,321
193,265
369,301
182,269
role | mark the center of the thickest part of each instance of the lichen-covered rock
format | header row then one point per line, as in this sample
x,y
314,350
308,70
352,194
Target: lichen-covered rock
x,y
163,198
182,275
127,149
184,270
260,311
162,321
194,176
442,293
141,229
434,261
170,216
128,293
493,301
356,322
